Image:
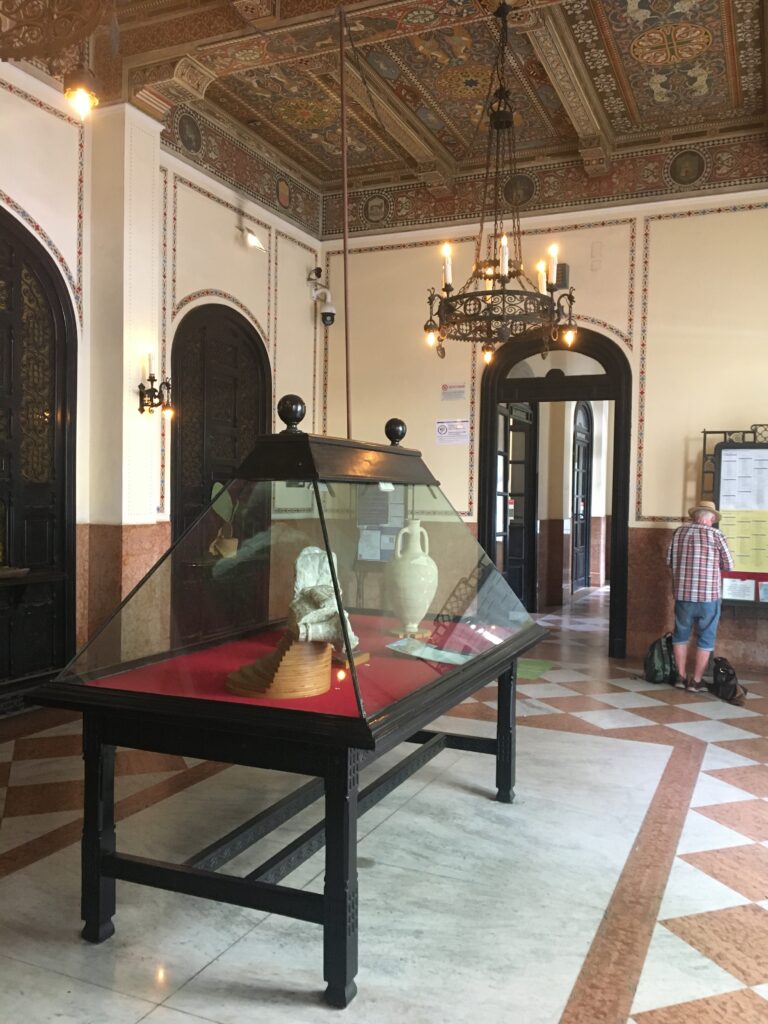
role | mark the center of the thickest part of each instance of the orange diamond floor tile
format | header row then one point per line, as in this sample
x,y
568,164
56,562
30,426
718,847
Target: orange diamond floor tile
x,y
742,868
743,1007
749,817
736,939
752,778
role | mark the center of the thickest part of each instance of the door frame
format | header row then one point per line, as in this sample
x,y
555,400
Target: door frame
x,y
65,334
615,384
588,517
264,369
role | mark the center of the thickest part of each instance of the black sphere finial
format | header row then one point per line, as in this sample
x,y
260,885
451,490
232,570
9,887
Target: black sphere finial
x,y
395,430
291,410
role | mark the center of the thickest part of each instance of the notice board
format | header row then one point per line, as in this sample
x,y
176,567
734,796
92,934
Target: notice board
x,y
741,493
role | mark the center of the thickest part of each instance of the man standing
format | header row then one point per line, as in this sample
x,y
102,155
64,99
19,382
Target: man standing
x,y
698,556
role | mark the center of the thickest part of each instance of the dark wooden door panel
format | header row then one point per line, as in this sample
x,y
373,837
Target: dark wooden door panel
x,y
223,399
37,407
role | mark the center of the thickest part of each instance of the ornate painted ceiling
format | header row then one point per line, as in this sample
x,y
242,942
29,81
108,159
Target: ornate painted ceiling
x,y
620,99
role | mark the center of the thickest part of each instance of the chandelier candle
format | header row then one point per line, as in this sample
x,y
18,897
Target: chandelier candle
x,y
541,276
447,268
552,252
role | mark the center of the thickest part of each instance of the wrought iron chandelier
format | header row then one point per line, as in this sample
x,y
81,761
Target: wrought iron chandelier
x,y
499,301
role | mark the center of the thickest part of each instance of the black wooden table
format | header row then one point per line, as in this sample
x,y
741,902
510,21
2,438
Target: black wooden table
x,y
330,749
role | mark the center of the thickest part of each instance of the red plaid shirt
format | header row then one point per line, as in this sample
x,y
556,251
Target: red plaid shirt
x,y
698,556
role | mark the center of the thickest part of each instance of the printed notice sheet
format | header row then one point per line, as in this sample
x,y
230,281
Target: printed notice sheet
x,y
744,506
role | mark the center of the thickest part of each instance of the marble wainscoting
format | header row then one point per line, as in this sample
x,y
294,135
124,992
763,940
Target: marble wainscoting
x,y
110,561
743,632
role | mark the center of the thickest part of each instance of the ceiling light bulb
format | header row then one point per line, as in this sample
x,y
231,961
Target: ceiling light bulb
x,y
431,339
570,336
487,353
82,102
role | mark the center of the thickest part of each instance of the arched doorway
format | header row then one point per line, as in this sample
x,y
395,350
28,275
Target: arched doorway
x,y
614,383
38,361
581,495
222,394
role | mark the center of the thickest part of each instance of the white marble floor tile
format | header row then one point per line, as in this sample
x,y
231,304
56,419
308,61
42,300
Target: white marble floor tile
x,y
638,685
15,831
628,700
6,751
613,718
675,972
719,709
527,706
49,769
711,732
710,790
464,726
38,996
545,690
690,891
416,965
719,757
565,675
165,1015
762,990
700,833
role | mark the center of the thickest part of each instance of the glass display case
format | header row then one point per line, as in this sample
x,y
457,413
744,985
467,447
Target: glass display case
x,y
327,579
329,605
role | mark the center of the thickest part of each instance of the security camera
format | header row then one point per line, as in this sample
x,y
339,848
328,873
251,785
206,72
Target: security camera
x,y
328,312
315,275
320,292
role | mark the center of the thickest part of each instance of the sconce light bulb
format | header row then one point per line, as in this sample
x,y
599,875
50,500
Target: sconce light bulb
x,y
253,241
168,411
569,336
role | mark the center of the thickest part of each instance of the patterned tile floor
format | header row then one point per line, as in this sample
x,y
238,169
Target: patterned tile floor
x,y
685,935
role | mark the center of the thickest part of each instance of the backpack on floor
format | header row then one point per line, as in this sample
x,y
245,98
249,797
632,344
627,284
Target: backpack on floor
x,y
659,664
725,683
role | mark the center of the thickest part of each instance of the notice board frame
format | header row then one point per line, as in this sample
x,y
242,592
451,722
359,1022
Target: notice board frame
x,y
757,577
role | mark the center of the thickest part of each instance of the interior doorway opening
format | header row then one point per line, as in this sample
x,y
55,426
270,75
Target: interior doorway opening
x,y
554,472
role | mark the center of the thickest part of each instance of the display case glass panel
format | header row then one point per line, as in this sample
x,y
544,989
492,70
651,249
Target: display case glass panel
x,y
407,598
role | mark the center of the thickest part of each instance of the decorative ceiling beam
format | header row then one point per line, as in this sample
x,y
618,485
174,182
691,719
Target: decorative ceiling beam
x,y
556,49
432,160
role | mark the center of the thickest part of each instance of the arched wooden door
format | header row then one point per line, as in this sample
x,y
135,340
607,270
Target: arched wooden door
x,y
38,343
222,394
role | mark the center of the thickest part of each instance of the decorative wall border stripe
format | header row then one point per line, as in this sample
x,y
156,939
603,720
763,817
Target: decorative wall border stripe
x,y
215,293
163,328
75,281
647,221
315,253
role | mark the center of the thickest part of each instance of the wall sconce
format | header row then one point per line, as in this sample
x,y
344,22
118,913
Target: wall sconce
x,y
151,398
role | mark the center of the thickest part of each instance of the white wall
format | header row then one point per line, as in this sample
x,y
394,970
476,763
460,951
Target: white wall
x,y
676,285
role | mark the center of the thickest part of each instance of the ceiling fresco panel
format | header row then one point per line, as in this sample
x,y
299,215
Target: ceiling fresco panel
x,y
671,63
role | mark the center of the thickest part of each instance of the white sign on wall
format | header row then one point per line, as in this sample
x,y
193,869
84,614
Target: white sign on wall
x,y
452,431
453,392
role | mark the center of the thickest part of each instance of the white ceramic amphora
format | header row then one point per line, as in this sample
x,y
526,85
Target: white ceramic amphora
x,y
411,576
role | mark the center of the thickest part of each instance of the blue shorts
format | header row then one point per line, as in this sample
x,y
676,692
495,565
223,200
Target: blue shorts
x,y
704,614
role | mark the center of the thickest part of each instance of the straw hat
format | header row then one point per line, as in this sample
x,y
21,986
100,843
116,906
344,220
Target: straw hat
x,y
705,506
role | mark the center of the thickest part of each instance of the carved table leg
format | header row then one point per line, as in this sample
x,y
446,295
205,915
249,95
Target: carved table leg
x,y
340,926
505,735
98,893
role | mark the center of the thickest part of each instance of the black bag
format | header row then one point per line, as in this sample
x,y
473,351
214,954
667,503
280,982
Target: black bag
x,y
725,683
659,664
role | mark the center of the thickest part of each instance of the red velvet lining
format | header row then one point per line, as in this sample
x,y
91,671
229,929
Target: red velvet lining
x,y
383,679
